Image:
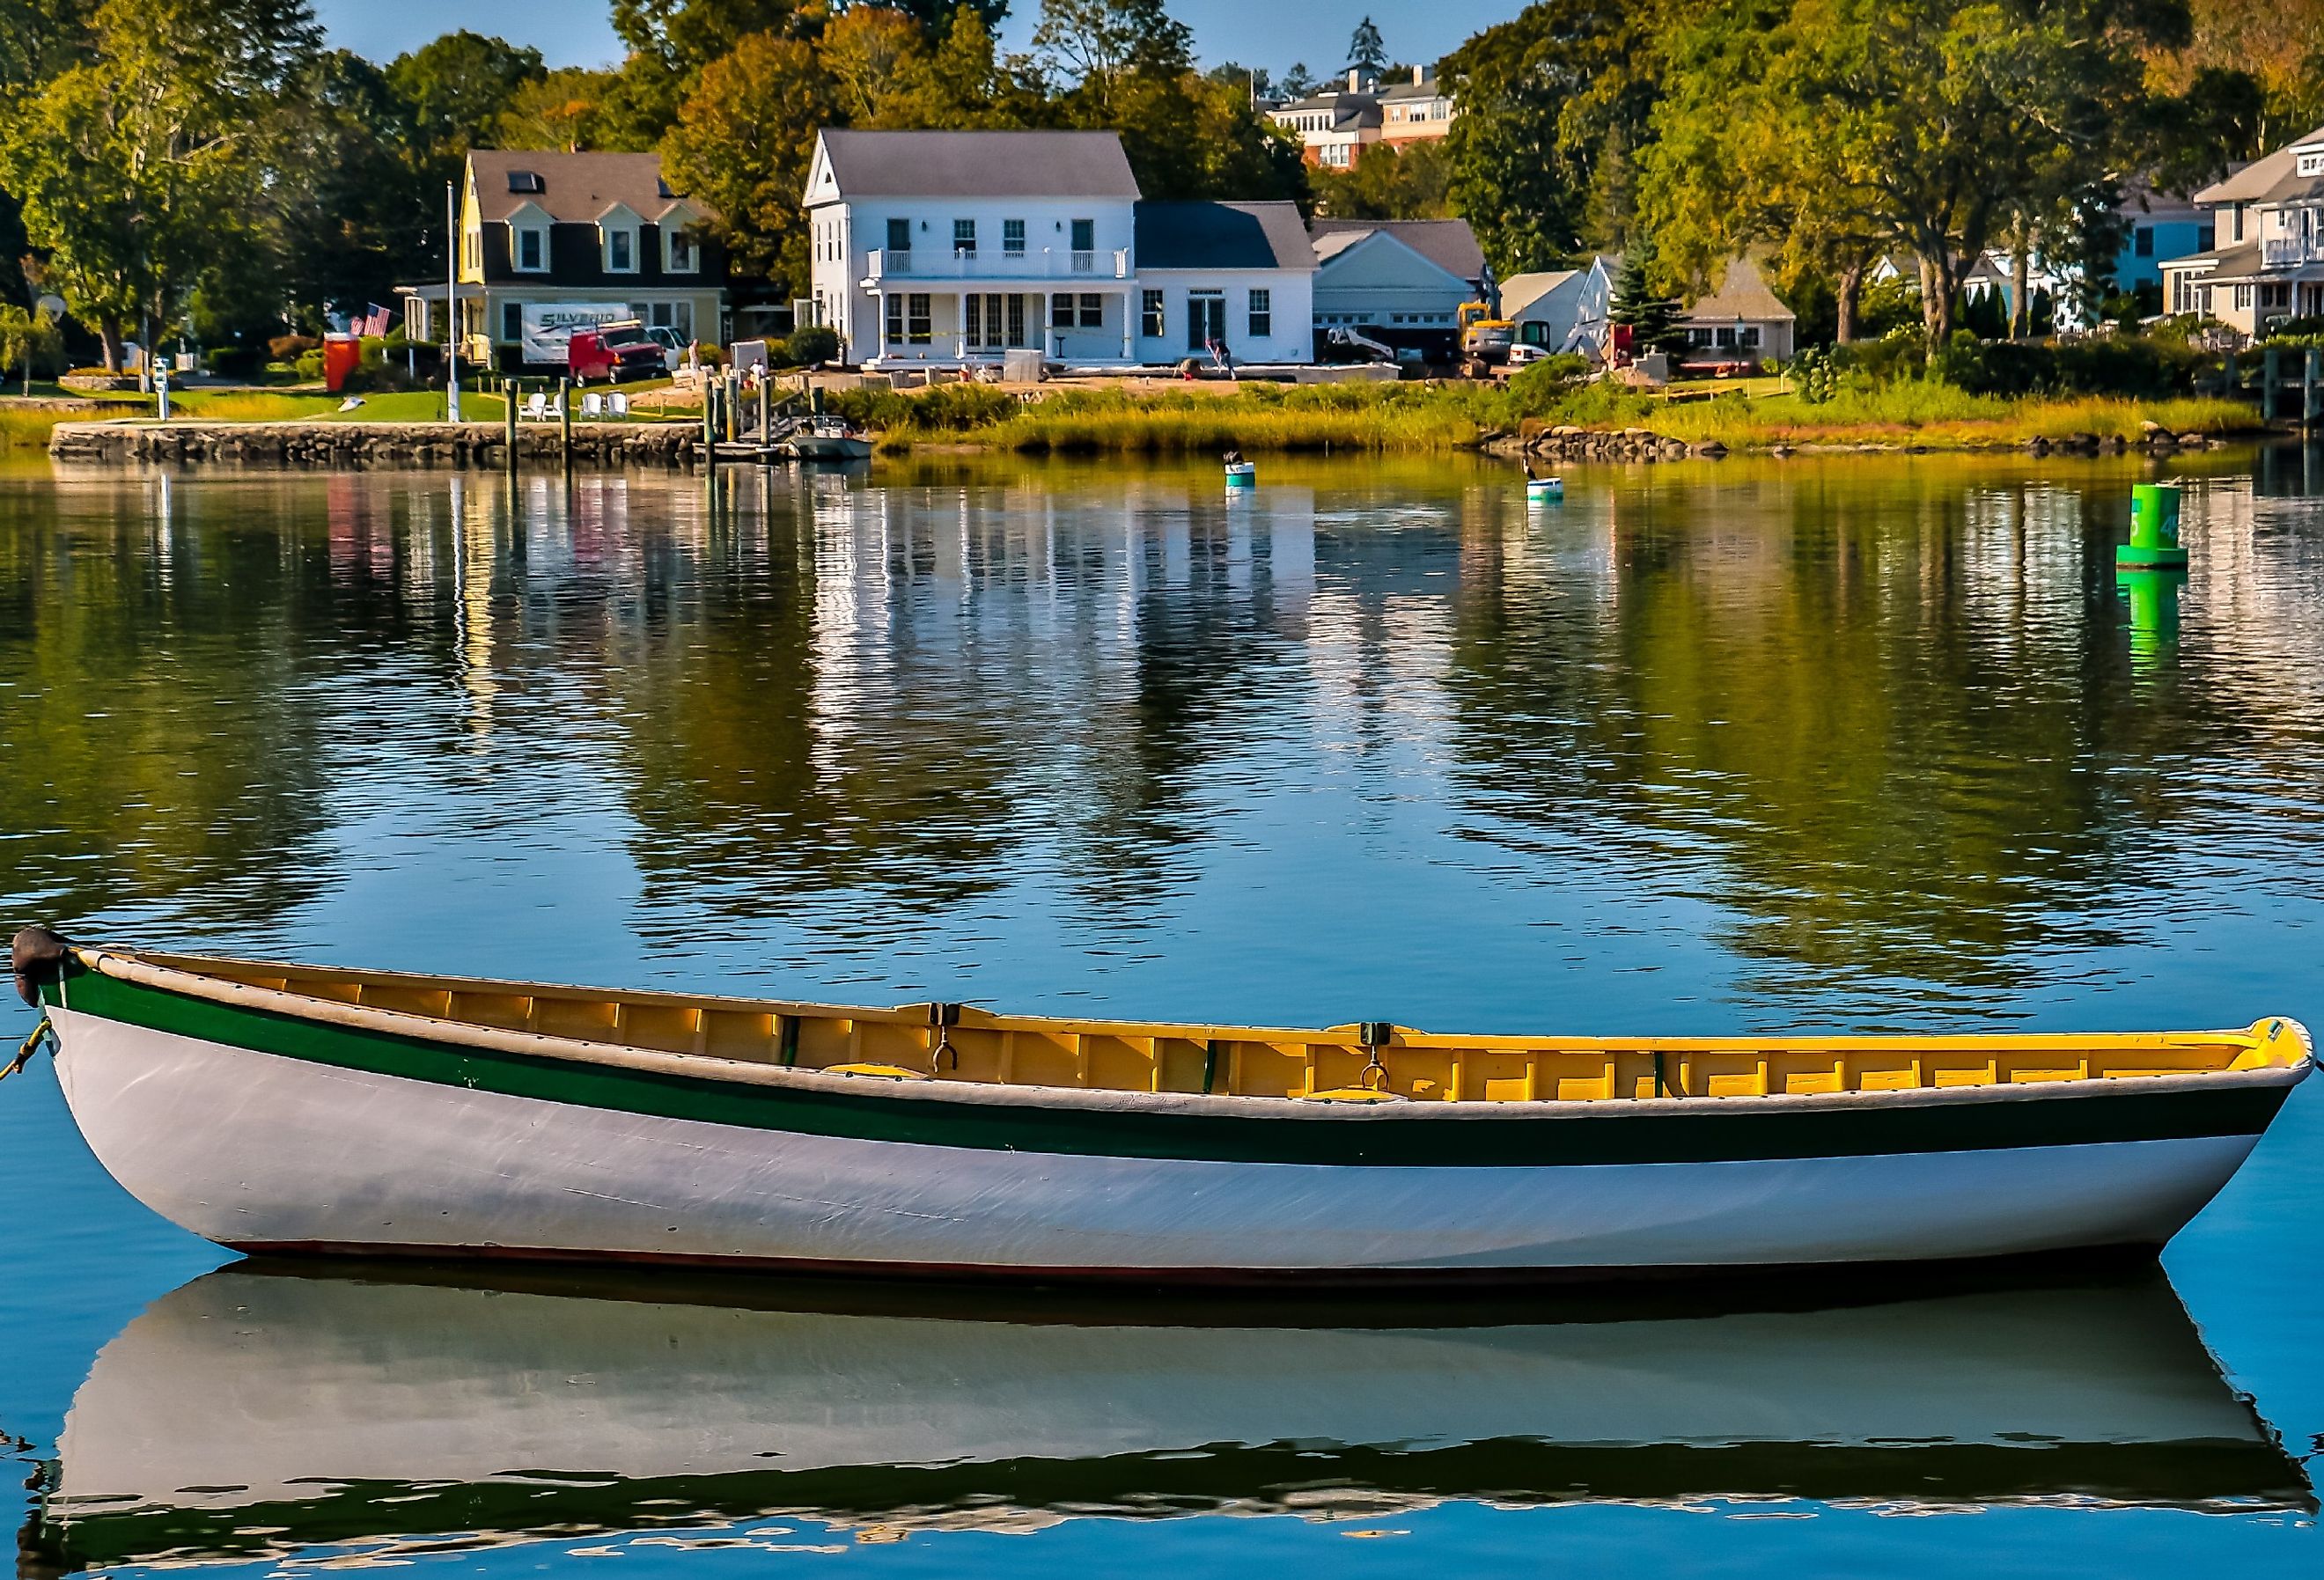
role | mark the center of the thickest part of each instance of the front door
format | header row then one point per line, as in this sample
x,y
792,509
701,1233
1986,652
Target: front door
x,y
1206,318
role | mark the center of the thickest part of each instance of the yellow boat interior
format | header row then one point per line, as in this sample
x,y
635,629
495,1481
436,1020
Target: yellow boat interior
x,y
1368,1062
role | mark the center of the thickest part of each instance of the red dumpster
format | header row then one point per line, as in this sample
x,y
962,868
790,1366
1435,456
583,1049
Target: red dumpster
x,y
342,354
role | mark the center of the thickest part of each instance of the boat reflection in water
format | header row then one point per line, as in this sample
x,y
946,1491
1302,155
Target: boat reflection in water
x,y
258,1410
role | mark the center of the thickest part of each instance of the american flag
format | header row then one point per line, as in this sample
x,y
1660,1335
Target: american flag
x,y
376,322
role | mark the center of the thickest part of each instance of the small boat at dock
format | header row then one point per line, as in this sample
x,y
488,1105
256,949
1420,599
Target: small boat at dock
x,y
294,1108
828,438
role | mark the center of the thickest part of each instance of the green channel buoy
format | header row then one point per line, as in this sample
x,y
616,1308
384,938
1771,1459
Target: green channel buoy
x,y
2153,529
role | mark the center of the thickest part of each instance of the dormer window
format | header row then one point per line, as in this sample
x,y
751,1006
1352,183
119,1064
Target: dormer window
x,y
531,248
2311,162
621,250
525,181
684,255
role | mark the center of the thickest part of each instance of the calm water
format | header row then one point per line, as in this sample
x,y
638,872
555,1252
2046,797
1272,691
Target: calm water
x,y
1756,747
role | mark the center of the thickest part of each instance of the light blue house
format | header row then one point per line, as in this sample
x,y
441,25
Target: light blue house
x,y
2160,227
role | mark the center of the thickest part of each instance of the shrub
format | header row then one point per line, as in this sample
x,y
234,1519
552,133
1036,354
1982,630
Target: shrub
x,y
811,344
235,362
290,347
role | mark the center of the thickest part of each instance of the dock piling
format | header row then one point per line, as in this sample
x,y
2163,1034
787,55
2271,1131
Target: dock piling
x,y
565,418
508,420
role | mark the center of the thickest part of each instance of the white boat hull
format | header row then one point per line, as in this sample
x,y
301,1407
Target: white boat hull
x,y
258,1150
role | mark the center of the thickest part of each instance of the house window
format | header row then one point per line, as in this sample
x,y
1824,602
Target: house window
x,y
1084,235
1061,310
621,252
472,249
1012,238
2243,296
2206,239
919,326
1262,314
2141,242
1092,311
963,238
683,253
1015,319
2236,223
896,321
511,321
899,236
2311,164
972,319
1748,336
1149,314
531,249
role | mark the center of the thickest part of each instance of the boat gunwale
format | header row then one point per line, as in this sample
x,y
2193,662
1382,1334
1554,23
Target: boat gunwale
x,y
146,969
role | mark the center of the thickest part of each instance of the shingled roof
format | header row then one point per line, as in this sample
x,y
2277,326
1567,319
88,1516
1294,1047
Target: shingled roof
x,y
576,189
2273,178
1449,244
1223,235
1742,294
979,164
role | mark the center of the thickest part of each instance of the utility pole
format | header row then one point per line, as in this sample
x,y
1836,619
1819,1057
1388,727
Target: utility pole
x,y
451,304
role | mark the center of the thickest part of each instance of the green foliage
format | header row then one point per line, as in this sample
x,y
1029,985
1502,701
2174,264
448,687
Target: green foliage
x,y
454,88
1538,386
30,342
811,344
1412,182
1652,316
154,151
1843,130
2135,367
1815,380
1367,50
1553,104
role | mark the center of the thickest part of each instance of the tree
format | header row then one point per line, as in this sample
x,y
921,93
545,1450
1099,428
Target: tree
x,y
1296,83
877,58
1252,82
1095,43
1189,136
1863,126
565,110
1367,50
29,341
1551,102
141,164
1389,183
671,42
742,144
456,88
1651,316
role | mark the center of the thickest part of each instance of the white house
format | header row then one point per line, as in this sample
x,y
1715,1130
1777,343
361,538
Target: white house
x,y
951,248
1398,281
1562,309
2268,227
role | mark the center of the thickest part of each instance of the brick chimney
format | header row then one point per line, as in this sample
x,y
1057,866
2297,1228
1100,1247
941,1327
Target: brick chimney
x,y
1355,83
1419,75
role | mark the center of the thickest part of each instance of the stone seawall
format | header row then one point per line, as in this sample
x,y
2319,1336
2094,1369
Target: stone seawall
x,y
374,444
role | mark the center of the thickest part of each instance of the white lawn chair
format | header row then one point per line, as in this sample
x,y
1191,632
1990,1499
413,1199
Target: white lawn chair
x,y
593,405
618,404
536,407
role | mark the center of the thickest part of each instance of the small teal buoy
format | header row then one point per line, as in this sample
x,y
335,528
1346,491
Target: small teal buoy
x,y
1242,474
2153,529
1544,490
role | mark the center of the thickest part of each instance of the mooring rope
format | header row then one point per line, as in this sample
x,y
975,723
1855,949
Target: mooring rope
x,y
40,1033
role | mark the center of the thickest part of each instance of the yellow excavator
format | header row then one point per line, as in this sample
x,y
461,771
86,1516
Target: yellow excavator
x,y
1485,340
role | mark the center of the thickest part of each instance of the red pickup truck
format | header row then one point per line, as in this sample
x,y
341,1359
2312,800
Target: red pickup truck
x,y
614,352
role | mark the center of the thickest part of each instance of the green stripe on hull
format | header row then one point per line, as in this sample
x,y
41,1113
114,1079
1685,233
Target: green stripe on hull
x,y
1406,1140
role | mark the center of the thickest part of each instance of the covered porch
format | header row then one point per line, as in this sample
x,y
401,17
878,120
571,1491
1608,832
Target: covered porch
x,y
957,326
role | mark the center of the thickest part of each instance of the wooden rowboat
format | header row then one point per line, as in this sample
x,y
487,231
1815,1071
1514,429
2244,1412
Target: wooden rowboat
x,y
301,1108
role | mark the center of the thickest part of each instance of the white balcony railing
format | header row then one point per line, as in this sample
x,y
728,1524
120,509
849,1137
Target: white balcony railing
x,y
932,263
2291,252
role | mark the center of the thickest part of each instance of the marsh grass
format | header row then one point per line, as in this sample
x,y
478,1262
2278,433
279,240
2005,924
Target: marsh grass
x,y
1433,418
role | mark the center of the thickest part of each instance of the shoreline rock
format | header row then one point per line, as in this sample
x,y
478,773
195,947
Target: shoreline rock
x,y
355,445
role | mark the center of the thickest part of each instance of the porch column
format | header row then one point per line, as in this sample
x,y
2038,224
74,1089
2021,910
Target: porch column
x,y
1129,325
879,324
